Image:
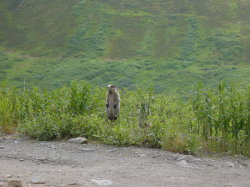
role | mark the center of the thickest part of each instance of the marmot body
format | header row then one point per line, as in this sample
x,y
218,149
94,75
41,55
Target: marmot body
x,y
113,103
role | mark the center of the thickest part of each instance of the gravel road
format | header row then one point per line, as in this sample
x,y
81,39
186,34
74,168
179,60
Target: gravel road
x,y
61,163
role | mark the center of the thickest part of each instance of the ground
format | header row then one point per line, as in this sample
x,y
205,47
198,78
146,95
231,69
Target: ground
x,y
61,163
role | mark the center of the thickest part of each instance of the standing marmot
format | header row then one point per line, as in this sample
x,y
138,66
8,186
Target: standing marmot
x,y
113,102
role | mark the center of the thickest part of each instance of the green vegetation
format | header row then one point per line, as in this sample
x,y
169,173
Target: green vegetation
x,y
214,120
173,44
130,43
169,77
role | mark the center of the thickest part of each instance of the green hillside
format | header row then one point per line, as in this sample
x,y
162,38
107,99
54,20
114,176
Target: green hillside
x,y
172,43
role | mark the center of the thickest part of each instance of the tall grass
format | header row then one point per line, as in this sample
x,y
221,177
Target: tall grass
x,y
9,107
223,116
216,120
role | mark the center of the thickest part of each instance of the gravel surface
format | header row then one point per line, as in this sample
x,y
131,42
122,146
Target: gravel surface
x,y
62,163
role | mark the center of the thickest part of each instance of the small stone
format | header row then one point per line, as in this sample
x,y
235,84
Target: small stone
x,y
197,159
88,149
111,150
243,163
21,159
2,184
142,155
42,159
8,176
180,158
183,163
36,180
102,182
230,164
15,183
15,142
208,164
80,140
155,156
73,183
1,147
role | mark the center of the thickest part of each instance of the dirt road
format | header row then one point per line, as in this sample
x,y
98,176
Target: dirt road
x,y
61,163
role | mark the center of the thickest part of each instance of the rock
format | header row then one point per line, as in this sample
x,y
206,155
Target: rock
x,y
2,139
8,176
181,158
1,147
80,140
156,156
21,159
2,184
142,155
15,183
230,164
36,180
73,183
176,156
111,150
42,159
243,163
209,164
88,149
102,182
183,163
197,159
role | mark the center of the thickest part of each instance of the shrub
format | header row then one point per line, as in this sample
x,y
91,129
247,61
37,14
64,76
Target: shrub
x,y
41,127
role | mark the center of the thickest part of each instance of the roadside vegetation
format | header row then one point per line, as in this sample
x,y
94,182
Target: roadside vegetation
x,y
214,120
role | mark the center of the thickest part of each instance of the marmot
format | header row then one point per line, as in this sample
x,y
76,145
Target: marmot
x,y
113,103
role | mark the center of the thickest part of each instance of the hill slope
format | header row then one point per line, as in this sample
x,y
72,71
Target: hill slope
x,y
128,42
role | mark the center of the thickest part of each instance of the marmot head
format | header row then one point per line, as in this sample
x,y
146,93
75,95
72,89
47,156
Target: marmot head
x,y
111,88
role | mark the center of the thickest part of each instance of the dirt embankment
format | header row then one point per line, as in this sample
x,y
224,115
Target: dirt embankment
x,y
61,163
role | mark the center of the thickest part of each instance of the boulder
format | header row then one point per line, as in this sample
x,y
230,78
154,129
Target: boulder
x,y
80,140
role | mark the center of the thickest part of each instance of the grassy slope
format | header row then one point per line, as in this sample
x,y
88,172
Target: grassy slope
x,y
129,43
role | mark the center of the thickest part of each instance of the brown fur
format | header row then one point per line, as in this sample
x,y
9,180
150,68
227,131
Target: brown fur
x,y
113,103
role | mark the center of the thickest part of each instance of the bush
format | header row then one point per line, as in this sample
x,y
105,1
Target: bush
x,y
41,127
